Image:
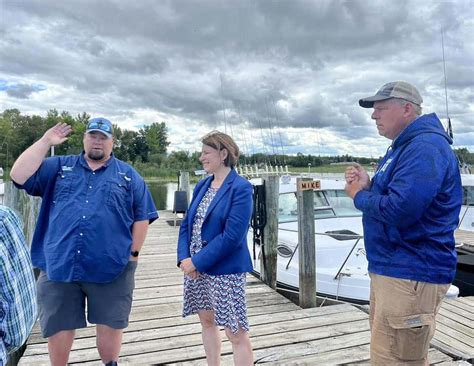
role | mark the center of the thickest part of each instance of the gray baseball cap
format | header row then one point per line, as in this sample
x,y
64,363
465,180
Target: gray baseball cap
x,y
395,89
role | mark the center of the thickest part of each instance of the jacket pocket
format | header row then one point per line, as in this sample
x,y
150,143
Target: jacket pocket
x,y
412,334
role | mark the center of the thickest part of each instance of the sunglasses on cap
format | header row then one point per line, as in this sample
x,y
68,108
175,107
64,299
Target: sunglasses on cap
x,y
100,125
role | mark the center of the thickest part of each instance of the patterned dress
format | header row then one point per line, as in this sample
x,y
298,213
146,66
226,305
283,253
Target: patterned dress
x,y
225,294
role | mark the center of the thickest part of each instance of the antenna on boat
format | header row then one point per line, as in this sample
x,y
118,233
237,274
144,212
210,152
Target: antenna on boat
x,y
277,122
449,128
270,132
242,133
248,122
223,105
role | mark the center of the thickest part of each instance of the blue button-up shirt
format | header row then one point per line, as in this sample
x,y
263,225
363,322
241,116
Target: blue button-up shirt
x,y
84,230
17,284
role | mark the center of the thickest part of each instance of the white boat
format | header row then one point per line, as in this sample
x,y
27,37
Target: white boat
x,y
341,263
466,216
465,239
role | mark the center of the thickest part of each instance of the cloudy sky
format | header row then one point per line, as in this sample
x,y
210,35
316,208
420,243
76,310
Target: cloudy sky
x,y
278,75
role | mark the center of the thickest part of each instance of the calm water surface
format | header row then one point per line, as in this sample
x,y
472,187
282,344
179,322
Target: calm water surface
x,y
163,194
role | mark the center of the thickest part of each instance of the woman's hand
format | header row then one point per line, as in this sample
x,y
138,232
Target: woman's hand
x,y
187,266
193,275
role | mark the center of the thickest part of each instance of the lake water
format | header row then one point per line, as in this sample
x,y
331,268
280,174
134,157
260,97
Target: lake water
x,y
163,194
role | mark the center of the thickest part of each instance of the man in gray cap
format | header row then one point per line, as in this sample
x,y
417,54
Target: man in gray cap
x,y
410,211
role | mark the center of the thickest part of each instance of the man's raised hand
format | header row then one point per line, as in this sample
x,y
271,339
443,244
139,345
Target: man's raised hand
x,y
57,134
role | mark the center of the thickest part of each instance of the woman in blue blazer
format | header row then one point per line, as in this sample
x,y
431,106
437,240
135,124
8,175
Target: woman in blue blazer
x,y
213,253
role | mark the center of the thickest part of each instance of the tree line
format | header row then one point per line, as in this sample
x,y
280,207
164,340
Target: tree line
x,y
146,148
18,132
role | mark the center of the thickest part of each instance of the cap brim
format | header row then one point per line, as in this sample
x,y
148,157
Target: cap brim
x,y
109,135
369,102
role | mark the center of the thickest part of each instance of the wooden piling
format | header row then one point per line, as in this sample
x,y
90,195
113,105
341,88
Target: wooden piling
x,y
25,205
268,263
306,242
184,182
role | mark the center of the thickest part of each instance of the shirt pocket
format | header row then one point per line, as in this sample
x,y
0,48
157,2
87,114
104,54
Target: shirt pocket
x,y
63,187
119,194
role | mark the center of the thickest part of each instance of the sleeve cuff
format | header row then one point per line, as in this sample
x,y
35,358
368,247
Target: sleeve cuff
x,y
361,200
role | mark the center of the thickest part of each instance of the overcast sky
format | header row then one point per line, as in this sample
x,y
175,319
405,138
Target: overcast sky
x,y
279,76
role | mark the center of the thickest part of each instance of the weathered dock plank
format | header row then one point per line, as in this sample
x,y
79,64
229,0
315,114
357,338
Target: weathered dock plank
x,y
281,332
455,328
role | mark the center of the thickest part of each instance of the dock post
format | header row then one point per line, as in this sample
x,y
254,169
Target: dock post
x,y
184,182
306,244
26,206
268,263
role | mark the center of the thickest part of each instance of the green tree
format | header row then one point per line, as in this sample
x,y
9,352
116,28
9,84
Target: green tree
x,y
141,147
179,160
6,139
464,156
156,136
25,131
126,147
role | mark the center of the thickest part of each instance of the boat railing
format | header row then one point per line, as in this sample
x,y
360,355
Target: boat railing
x,y
348,236
253,171
347,257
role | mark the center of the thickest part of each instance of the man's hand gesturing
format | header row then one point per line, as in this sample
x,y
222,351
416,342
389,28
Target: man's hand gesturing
x,y
57,134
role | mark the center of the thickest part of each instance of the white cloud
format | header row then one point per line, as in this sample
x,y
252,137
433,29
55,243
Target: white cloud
x,y
271,72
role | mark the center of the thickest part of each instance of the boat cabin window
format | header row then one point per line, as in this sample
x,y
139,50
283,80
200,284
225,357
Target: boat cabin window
x,y
322,207
287,207
327,203
468,195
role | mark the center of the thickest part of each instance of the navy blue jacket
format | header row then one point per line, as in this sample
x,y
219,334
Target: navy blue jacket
x,y
224,230
412,208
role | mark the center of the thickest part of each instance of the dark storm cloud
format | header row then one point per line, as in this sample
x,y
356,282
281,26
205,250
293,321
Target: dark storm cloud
x,y
286,64
22,91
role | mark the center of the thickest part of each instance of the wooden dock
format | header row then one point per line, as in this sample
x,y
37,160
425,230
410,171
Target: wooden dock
x,y
455,328
281,332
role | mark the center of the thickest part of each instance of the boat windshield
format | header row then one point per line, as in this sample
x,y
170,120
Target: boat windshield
x,y
342,204
328,203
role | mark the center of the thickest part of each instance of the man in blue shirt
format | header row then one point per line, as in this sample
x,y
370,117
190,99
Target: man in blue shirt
x,y
92,224
18,309
410,211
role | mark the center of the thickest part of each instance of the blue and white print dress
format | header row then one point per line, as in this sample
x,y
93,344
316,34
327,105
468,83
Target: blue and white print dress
x,y
225,294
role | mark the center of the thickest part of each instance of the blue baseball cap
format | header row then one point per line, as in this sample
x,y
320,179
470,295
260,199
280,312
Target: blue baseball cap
x,y
101,125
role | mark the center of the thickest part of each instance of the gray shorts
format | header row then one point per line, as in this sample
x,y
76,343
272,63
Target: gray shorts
x,y
62,305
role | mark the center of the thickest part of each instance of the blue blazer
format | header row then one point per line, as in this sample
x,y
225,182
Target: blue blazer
x,y
224,230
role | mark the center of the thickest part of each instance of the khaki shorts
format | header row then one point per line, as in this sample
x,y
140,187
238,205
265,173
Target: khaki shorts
x,y
402,319
62,305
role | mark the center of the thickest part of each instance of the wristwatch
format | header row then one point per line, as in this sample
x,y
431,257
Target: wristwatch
x,y
134,253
